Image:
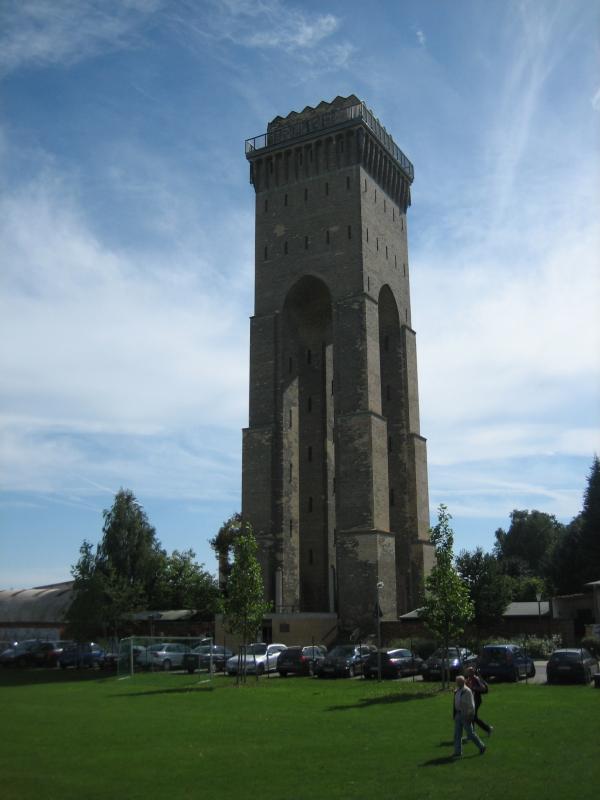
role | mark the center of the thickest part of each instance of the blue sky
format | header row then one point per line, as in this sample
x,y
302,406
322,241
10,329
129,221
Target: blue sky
x,y
126,249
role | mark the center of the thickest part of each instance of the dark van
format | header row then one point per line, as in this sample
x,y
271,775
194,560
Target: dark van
x,y
507,662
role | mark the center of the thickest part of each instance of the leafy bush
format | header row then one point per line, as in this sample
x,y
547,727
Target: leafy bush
x,y
536,647
592,643
541,647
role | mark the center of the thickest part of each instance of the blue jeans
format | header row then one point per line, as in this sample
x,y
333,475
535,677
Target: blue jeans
x,y
462,723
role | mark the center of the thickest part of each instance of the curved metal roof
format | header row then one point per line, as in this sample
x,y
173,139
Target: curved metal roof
x,y
42,604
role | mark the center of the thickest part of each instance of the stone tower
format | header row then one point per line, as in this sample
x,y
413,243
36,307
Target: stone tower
x,y
334,466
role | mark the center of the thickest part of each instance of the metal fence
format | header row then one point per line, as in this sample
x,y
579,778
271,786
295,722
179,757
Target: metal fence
x,y
329,119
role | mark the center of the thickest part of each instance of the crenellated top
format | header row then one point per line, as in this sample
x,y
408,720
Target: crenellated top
x,y
331,136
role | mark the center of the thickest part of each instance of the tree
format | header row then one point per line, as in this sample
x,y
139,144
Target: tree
x,y
489,588
129,545
448,607
590,527
101,597
185,584
576,558
245,605
129,571
222,544
531,537
85,615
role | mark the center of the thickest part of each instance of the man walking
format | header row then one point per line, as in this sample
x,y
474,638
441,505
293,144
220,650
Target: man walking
x,y
464,714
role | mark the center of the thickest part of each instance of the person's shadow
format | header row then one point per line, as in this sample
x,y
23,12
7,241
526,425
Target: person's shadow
x,y
441,760
438,762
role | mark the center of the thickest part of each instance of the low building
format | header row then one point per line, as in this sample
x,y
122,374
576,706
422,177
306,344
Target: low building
x,y
595,587
582,609
519,619
300,628
37,613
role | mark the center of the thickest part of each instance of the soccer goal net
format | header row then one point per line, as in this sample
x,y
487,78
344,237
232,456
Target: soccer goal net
x,y
159,654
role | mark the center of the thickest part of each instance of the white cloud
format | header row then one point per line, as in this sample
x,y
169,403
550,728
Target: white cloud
x,y
115,347
596,101
44,32
421,38
297,31
271,28
506,284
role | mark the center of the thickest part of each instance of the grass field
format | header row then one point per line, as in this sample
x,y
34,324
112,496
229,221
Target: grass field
x,y
174,736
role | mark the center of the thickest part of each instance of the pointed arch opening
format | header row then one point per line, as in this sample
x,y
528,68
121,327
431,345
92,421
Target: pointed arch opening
x,y
307,333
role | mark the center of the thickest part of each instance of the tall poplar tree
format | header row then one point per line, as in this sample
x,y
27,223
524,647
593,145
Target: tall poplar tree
x,y
448,607
245,604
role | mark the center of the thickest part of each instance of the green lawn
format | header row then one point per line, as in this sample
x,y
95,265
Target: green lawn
x,y
173,736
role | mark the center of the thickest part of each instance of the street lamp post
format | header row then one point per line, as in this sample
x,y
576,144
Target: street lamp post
x,y
378,612
538,597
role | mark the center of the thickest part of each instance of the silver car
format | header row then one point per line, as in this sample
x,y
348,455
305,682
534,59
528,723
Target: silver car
x,y
258,658
165,656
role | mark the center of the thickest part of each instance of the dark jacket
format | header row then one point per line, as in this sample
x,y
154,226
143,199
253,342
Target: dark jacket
x,y
478,686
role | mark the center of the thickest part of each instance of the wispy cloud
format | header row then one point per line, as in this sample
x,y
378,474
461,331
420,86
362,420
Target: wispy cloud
x,y
268,23
596,101
41,32
115,353
268,26
421,38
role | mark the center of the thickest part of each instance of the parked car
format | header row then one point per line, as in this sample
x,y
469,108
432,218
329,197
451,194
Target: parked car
x,y
455,659
301,660
33,653
166,655
394,664
200,657
139,653
17,653
345,660
571,664
506,661
258,658
82,654
110,661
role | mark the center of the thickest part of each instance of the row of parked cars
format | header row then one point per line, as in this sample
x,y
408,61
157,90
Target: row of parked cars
x,y
496,661
39,653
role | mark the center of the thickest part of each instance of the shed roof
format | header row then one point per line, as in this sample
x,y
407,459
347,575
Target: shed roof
x,y
529,609
41,604
163,616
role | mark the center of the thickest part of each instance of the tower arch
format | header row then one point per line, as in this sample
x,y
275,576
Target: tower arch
x,y
393,380
307,444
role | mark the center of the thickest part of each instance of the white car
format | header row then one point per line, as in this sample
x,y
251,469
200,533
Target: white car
x,y
165,656
259,658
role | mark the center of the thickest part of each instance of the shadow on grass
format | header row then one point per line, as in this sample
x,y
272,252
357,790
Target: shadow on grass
x,y
33,676
178,690
439,762
450,759
388,699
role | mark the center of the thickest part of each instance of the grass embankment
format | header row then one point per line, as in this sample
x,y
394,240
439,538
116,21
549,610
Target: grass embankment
x,y
173,736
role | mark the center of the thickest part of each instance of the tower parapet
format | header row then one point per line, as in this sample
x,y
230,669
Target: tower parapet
x,y
316,140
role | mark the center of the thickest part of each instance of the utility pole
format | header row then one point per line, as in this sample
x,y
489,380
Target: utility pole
x,y
379,615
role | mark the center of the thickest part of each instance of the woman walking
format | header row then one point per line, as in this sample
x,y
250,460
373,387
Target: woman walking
x,y
479,688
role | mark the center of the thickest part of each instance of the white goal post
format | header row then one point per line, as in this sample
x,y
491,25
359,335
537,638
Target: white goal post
x,y
160,654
